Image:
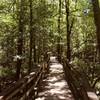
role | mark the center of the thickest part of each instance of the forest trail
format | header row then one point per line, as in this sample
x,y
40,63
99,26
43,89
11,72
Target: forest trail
x,y
54,87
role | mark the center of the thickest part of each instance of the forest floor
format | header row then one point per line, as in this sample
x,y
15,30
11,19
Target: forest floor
x,y
54,87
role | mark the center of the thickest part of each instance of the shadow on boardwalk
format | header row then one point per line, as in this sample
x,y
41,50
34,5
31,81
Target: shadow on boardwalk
x,y
54,87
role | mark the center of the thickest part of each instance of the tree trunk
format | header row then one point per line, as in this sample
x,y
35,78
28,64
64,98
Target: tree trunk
x,y
20,41
69,25
96,10
34,48
31,37
68,30
59,33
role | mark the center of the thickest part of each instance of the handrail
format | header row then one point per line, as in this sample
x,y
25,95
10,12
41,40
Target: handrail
x,y
26,87
78,89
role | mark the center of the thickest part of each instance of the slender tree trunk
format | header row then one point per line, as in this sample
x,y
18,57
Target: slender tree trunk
x,y
96,10
59,32
39,49
31,37
20,42
68,30
69,25
34,48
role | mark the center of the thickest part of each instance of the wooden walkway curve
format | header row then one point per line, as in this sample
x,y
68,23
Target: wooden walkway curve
x,y
54,87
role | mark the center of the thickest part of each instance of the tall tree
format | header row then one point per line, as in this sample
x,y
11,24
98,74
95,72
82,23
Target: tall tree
x,y
20,38
68,30
69,25
96,10
59,32
31,36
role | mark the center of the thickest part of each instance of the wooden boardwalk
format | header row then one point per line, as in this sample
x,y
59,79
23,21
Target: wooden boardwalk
x,y
54,87
49,86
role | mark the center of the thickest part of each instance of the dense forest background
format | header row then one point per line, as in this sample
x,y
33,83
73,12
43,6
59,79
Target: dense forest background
x,y
30,30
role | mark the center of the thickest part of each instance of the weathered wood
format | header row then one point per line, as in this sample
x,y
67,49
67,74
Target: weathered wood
x,y
25,87
76,84
18,86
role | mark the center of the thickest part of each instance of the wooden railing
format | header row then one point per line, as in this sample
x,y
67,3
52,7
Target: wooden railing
x,y
78,88
26,88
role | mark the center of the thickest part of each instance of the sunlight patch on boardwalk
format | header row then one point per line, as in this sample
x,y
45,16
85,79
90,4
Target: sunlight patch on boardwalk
x,y
55,87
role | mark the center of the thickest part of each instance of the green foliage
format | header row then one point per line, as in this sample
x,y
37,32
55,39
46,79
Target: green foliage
x,y
45,30
6,72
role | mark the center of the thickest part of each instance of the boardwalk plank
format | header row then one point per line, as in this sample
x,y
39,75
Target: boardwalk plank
x,y
54,87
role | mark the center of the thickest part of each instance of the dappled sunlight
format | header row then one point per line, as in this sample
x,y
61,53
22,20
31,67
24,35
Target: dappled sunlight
x,y
92,96
40,98
52,79
56,68
55,87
